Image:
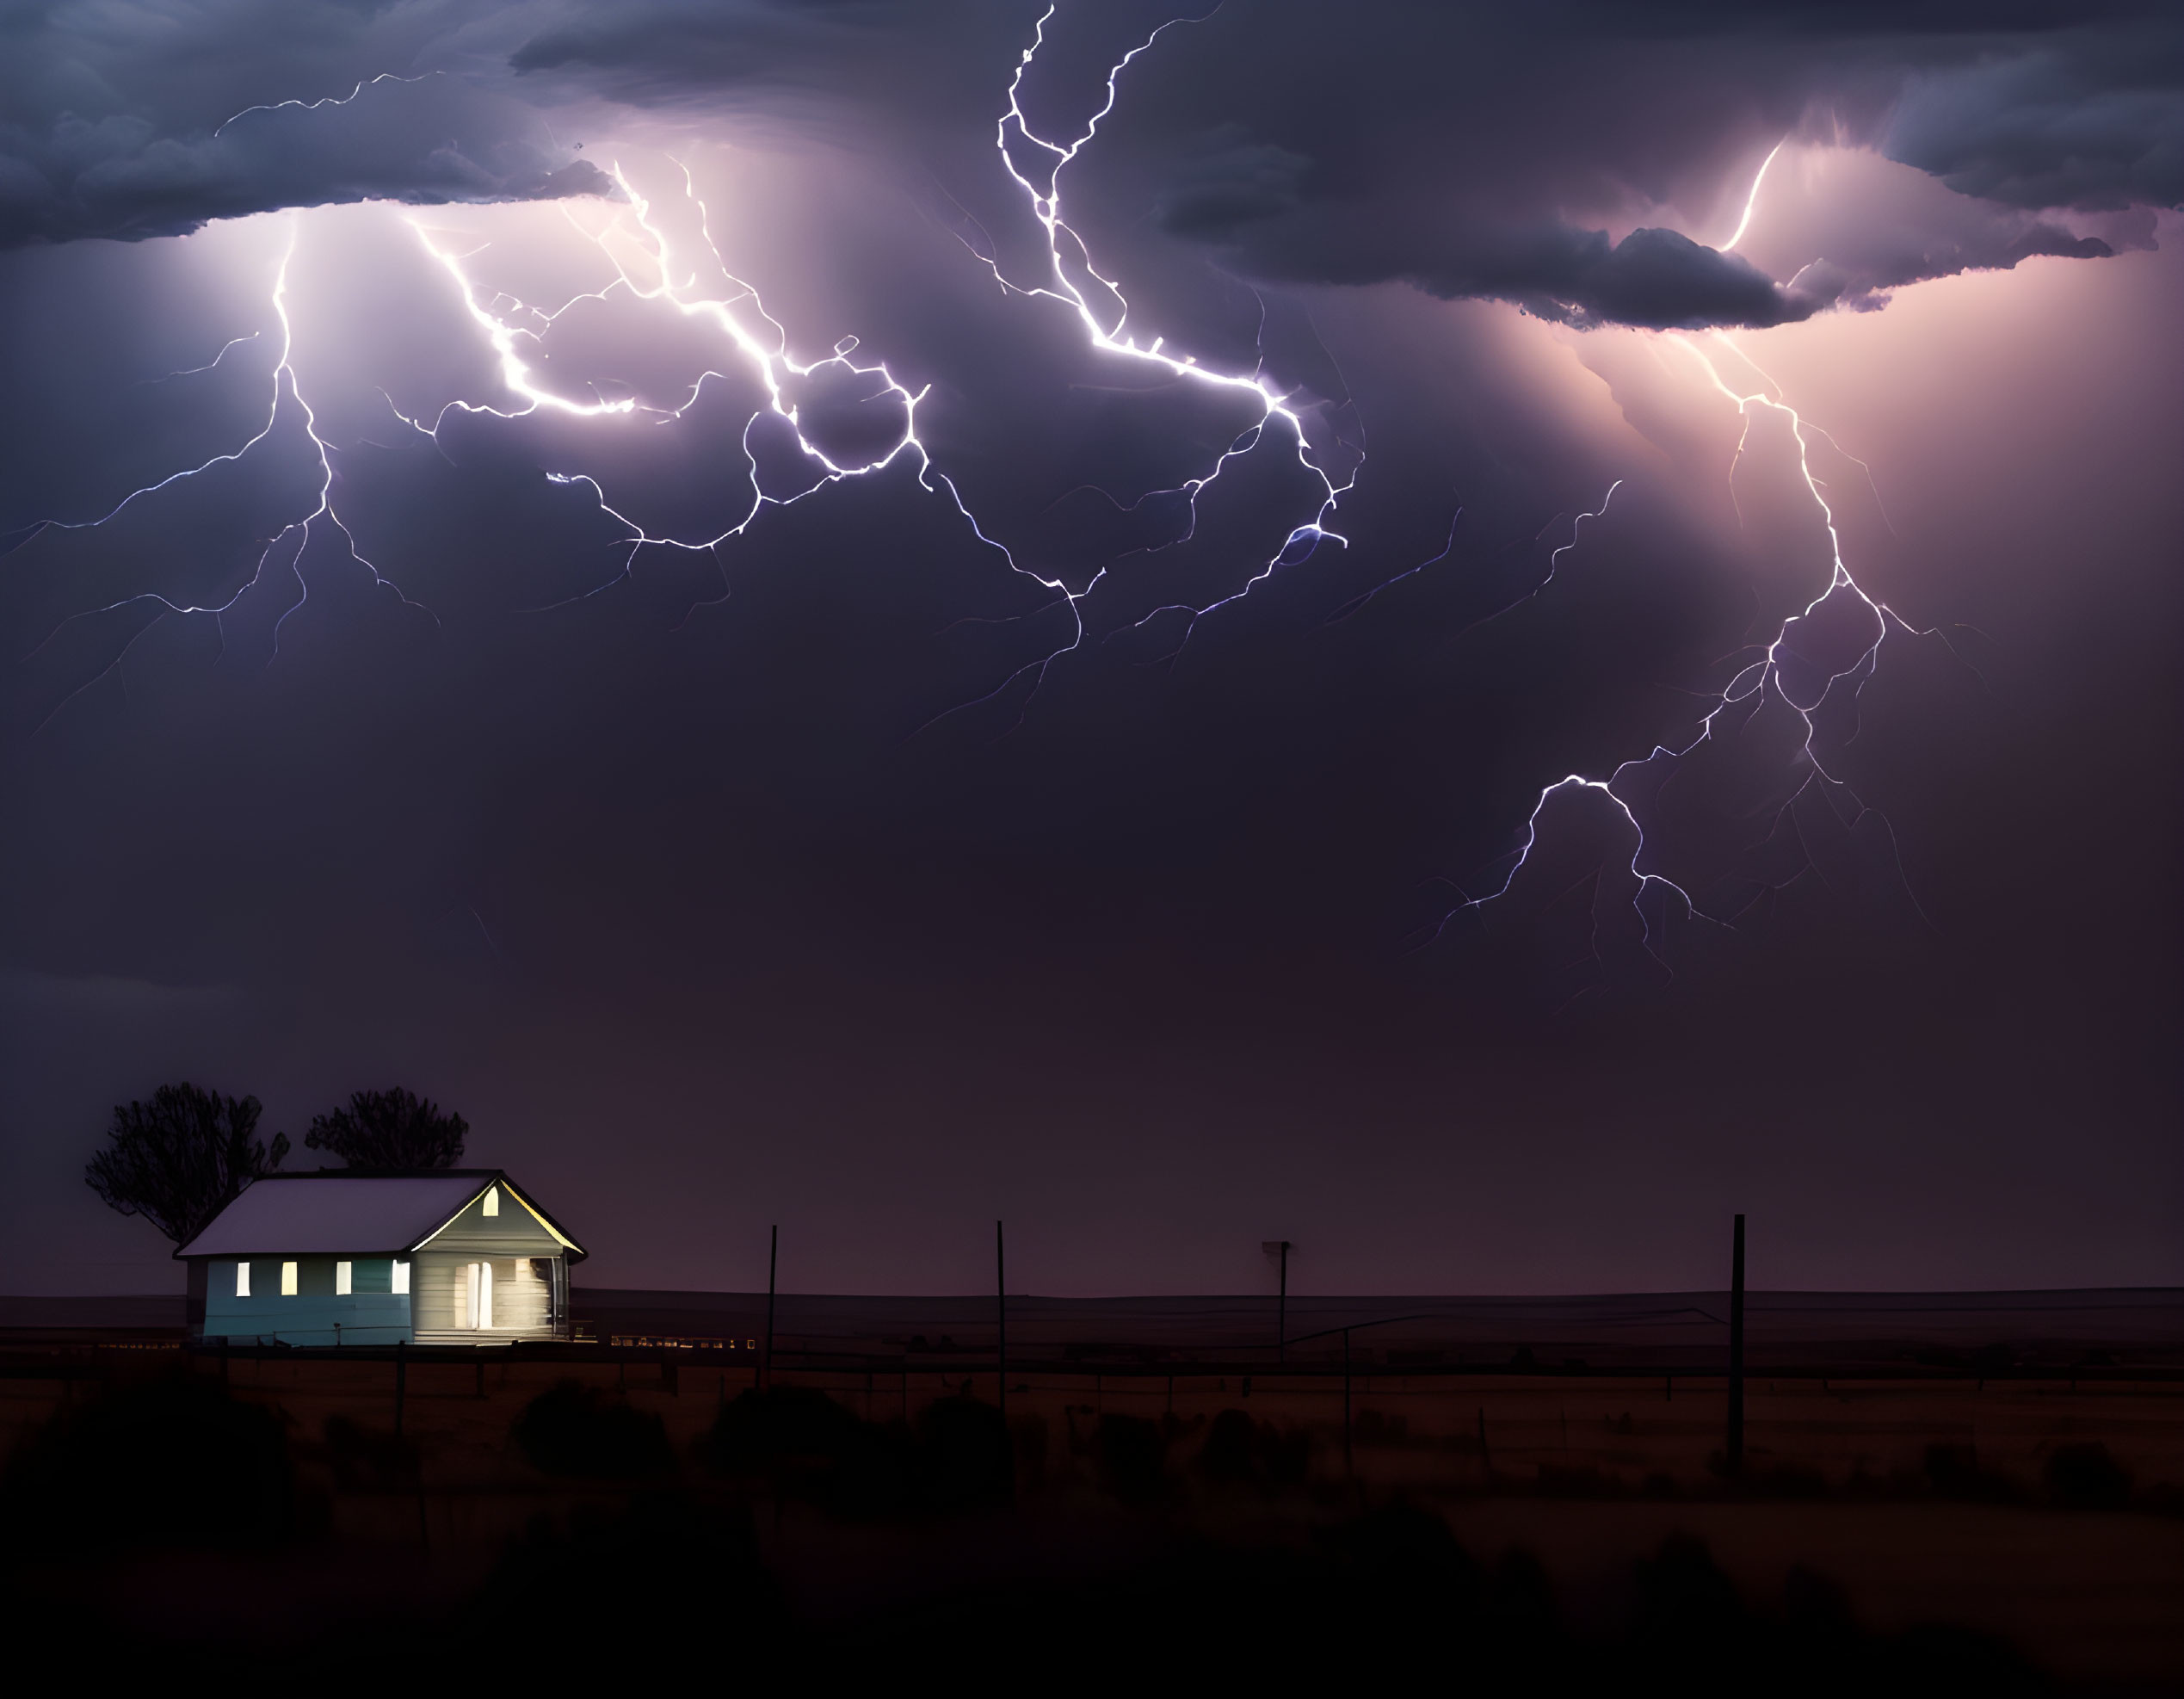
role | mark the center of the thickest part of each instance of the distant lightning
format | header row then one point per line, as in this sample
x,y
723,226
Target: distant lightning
x,y
232,344
330,100
284,386
1760,676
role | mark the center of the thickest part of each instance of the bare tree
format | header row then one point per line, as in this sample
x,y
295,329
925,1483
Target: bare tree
x,y
390,1130
181,1159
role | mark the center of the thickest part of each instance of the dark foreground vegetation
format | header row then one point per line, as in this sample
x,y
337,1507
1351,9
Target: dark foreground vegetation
x,y
167,1531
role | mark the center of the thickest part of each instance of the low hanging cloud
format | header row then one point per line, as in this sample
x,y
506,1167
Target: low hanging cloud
x,y
148,120
1580,161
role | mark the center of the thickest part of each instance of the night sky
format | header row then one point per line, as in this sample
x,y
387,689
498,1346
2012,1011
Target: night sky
x,y
1001,769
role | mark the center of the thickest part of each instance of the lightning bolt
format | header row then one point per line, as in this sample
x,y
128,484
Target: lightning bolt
x,y
1069,278
284,389
1074,280
1761,680
330,100
1751,200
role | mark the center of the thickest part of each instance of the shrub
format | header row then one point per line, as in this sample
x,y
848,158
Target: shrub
x,y
173,1462
577,1431
2087,1478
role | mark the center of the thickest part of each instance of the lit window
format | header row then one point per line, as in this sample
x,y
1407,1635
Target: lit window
x,y
288,1280
341,1279
402,1279
492,1200
242,1280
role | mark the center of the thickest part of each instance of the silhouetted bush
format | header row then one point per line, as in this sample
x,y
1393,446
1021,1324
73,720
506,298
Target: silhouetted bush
x,y
665,1572
174,1461
1688,1615
1406,1566
578,1431
1238,1451
804,1445
366,1460
2087,1478
1132,1452
1953,1472
966,1456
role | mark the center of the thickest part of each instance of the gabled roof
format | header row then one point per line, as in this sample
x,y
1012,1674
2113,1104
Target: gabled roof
x,y
346,1210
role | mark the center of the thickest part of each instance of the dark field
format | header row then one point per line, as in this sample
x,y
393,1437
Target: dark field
x,y
1905,1526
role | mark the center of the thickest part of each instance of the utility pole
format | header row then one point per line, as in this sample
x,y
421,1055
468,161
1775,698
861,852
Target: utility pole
x,y
773,1264
1279,1249
1001,1319
1734,1450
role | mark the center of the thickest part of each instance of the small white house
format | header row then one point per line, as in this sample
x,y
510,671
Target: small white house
x,y
440,1257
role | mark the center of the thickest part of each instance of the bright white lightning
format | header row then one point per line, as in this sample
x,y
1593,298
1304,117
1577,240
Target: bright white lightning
x,y
283,384
762,346
1751,200
1046,203
1756,677
766,355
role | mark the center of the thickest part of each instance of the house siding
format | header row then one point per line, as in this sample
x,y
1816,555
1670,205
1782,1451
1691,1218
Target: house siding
x,y
524,1298
371,1315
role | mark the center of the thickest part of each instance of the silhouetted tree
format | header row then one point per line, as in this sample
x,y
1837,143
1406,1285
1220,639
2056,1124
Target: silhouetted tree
x,y
181,1159
390,1130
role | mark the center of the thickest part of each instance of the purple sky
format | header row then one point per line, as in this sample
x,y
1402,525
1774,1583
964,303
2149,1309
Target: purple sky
x,y
1122,794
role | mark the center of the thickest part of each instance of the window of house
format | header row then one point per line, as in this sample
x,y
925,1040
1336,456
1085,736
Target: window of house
x,y
242,1280
341,1279
401,1278
492,1200
288,1280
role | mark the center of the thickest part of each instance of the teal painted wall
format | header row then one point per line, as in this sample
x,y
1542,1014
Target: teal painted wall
x,y
372,1313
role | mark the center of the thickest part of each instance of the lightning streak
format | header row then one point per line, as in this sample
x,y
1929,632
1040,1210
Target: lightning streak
x,y
1069,278
1066,252
1751,200
1759,678
284,387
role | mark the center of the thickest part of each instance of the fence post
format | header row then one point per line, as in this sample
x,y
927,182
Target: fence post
x,y
1734,1450
773,1262
1349,1460
1001,1319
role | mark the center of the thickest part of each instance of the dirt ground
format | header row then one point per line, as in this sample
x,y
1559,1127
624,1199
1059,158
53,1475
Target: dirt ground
x,y
1923,1501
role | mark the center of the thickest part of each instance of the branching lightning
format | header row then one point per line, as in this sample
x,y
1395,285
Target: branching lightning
x,y
283,388
758,345
1755,679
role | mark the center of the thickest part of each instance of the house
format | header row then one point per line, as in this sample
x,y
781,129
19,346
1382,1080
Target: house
x,y
344,1257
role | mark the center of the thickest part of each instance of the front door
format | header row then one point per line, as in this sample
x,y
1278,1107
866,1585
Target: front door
x,y
478,1294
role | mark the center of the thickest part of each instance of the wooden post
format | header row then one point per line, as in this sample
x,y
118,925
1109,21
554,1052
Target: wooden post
x,y
1349,1461
1000,1318
1734,1450
773,1262
401,1378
